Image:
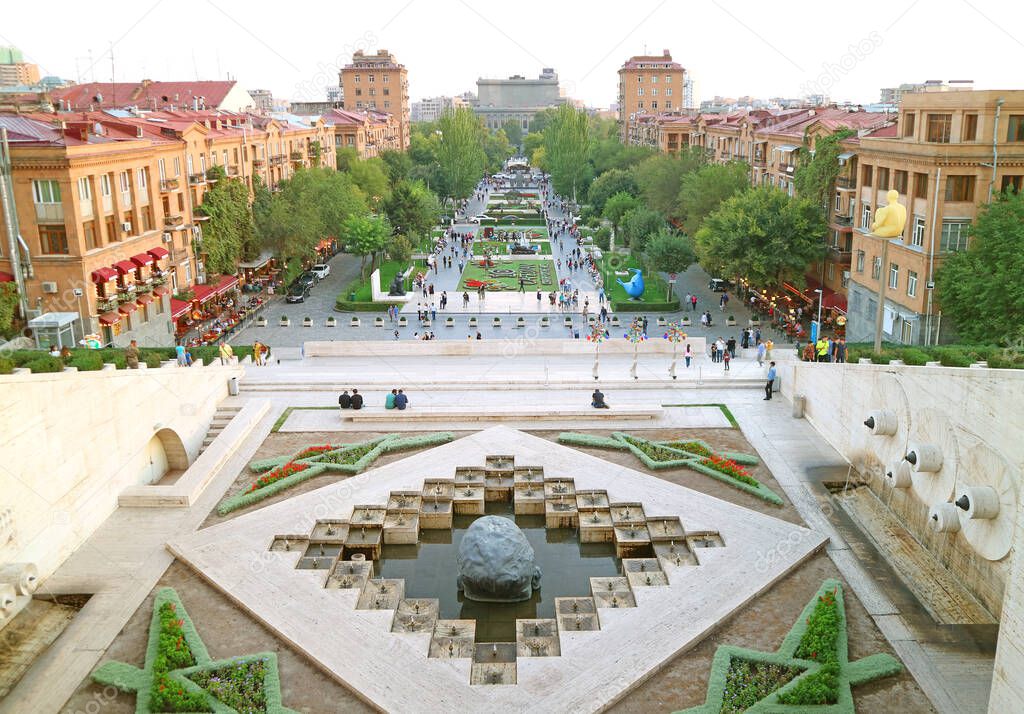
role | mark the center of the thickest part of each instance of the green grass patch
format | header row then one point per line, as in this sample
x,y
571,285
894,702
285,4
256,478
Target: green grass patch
x,y
500,281
499,247
655,288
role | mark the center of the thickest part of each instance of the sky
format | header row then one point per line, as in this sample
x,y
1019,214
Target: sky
x,y
730,48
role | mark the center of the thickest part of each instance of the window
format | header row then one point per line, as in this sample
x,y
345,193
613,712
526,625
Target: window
x,y
920,185
387,105
1011,184
188,273
46,191
188,164
89,233
359,92
654,91
654,79
385,79
387,91
908,123
53,240
668,103
147,218
654,105
161,166
860,261
912,283
865,217
883,178
177,167
831,271
839,202
954,236
939,126
640,91
143,179
668,78
1015,128
357,78
668,91
894,275
865,175
876,267
125,181
969,131
639,105
960,188
371,78
640,78
105,185
917,236
84,189
900,181
907,332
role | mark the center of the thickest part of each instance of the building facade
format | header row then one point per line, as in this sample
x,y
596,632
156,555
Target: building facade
x,y
516,98
262,100
378,83
894,95
148,95
431,108
650,84
949,154
15,71
368,132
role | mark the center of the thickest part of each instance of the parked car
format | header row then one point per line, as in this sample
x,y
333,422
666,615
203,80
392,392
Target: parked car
x,y
298,292
477,219
308,278
719,285
321,270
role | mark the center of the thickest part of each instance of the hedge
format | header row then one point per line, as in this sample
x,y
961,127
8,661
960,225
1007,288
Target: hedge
x,y
87,360
949,355
357,306
157,670
832,674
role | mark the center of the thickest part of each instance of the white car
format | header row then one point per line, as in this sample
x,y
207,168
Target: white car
x,y
477,219
321,270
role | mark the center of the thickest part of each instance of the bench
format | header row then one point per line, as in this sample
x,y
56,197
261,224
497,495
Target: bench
x,y
461,414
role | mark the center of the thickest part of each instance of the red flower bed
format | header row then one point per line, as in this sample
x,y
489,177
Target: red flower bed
x,y
313,451
730,468
277,474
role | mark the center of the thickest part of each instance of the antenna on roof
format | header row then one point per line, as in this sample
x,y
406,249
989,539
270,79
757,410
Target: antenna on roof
x,y
113,86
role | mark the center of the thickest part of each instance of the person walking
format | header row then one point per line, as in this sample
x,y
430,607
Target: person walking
x,y
770,383
761,350
693,303
841,351
726,358
131,355
226,353
714,352
179,353
687,355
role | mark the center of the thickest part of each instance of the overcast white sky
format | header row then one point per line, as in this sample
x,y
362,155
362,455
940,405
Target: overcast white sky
x,y
732,48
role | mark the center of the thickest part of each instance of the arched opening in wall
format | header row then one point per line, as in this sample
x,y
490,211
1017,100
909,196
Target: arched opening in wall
x,y
166,458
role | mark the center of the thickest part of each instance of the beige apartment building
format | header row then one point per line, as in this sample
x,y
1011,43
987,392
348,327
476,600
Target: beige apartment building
x,y
368,132
649,84
949,154
378,82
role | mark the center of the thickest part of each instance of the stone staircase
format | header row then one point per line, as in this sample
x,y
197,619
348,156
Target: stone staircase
x,y
221,418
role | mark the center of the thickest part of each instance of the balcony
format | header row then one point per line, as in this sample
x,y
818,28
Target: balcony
x,y
759,162
843,221
167,185
846,182
231,170
277,159
173,221
840,254
259,163
106,304
297,156
196,179
49,213
784,168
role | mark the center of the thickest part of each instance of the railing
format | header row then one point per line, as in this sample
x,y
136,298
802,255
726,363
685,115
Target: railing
x,y
840,253
258,163
106,304
845,182
760,162
277,159
172,220
231,170
168,185
49,213
297,156
786,168
841,220
196,179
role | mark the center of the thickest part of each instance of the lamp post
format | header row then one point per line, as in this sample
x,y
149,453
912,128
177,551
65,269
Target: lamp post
x,y
597,336
635,334
817,328
675,335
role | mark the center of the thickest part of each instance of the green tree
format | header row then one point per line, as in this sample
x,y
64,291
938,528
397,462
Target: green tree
x,y
704,190
639,225
366,236
8,307
399,248
618,206
610,183
668,252
566,146
397,165
460,152
660,179
498,149
541,119
412,209
315,150
513,129
369,175
762,234
532,142
815,178
981,287
230,227
345,157
609,153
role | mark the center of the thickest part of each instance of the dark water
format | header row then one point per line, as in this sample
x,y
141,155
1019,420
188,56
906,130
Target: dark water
x,y
429,571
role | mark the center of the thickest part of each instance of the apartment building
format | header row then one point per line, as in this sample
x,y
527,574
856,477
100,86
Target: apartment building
x,y
15,71
650,84
149,95
378,82
368,132
949,154
431,108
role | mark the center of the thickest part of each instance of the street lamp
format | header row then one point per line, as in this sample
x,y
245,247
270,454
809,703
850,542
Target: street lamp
x,y
817,331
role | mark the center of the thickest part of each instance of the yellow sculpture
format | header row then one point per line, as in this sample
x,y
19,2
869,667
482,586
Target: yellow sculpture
x,y
891,219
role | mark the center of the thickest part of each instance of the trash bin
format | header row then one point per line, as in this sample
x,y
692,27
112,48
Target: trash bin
x,y
798,406
233,386
351,297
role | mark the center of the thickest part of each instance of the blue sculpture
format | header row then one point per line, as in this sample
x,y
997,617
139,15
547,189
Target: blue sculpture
x,y
635,287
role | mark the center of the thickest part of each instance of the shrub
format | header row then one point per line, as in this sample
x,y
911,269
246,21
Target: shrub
x,y
953,357
87,361
152,359
603,238
46,364
6,365
914,356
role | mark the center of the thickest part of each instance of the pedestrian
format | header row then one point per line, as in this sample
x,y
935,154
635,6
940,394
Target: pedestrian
x,y
433,312
645,326
761,349
225,353
770,383
714,352
730,346
768,345
396,334
688,355
257,353
693,303
841,351
131,355
726,358
179,353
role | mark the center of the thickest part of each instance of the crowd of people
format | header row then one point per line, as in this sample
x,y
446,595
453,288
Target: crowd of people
x,y
395,399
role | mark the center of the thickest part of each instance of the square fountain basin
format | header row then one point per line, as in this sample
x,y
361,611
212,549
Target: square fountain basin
x,y
469,500
367,516
453,638
537,638
404,501
442,489
665,528
330,531
555,487
628,514
350,575
416,615
381,594
436,515
401,528
560,513
591,499
675,553
528,474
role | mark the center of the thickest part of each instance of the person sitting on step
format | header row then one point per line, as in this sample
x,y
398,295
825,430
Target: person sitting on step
x,y
597,400
345,401
357,399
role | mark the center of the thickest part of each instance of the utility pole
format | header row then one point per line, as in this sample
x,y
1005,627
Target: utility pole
x,y
11,223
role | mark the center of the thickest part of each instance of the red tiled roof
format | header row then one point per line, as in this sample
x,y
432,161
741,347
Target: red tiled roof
x,y
146,94
886,132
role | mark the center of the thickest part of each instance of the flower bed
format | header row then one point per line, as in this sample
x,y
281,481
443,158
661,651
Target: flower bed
x,y
819,644
693,447
289,469
172,653
729,468
238,685
748,682
313,451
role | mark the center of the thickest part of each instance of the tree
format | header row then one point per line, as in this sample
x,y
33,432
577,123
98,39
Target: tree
x,y
230,227
366,236
660,178
345,157
618,206
532,142
566,146
412,209
315,151
610,183
639,225
513,129
704,190
815,178
762,234
669,253
610,153
460,151
981,287
399,249
498,149
397,165
8,307
541,119
369,175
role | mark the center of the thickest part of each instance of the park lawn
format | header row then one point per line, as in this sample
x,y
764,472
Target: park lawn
x,y
361,287
474,271
501,247
655,287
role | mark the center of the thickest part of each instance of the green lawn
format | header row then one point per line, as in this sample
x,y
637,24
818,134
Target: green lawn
x,y
501,247
387,273
655,288
533,269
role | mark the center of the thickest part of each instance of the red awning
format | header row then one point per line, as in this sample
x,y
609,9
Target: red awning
x,y
125,266
161,290
127,308
145,299
104,275
178,308
226,283
110,318
830,299
142,259
6,277
202,293
158,252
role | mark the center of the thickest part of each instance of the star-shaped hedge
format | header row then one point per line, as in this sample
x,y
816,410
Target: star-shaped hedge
x,y
227,686
283,472
695,454
809,673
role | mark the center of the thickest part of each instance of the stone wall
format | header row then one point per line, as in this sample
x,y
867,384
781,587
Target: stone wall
x,y
515,346
964,411
74,440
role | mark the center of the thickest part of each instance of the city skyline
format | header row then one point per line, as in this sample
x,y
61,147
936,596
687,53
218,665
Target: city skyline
x,y
851,60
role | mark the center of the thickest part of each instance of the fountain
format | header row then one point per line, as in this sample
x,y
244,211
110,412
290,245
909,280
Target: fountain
x,y
496,562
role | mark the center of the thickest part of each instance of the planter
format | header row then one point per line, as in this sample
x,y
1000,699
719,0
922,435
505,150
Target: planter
x,y
567,322
731,321
354,322
449,322
261,322
472,322
285,322
545,321
754,323
686,322
520,321
378,322
662,322
331,322
307,322
496,322
615,321
403,321
426,323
